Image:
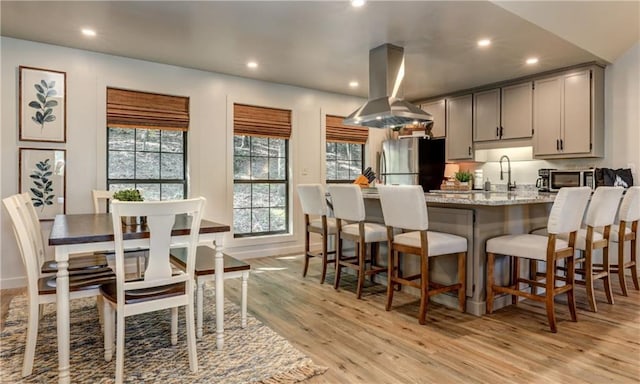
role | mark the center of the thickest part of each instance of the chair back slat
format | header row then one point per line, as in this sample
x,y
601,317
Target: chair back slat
x,y
568,209
24,237
630,206
161,216
404,206
603,206
101,196
312,199
347,200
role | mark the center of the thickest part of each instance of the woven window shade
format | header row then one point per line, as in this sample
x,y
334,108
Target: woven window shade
x,y
133,109
250,120
338,132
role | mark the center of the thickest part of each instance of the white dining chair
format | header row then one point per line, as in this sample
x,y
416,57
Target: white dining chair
x,y
565,218
317,220
41,287
162,286
348,208
405,214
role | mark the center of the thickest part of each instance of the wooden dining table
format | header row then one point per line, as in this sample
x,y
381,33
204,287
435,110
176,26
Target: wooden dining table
x,y
82,233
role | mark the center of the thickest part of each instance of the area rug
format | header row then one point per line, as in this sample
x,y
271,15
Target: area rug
x,y
255,354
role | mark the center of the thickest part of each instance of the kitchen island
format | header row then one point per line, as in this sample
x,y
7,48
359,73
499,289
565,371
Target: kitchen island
x,y
477,216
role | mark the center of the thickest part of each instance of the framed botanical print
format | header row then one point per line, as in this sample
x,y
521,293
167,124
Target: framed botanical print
x,y
42,175
43,105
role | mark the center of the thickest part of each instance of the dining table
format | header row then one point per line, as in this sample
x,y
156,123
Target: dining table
x,y
83,233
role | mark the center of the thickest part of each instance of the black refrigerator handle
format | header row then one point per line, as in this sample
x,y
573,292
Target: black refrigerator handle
x,y
383,167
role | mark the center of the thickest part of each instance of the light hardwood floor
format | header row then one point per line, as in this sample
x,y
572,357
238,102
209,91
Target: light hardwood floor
x,y
362,343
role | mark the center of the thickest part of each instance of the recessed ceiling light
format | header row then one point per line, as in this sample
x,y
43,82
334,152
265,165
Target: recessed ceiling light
x,y
252,64
357,3
353,84
484,43
532,60
88,32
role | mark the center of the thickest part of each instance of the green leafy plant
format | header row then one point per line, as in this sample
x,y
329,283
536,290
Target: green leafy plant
x,y
128,195
43,105
42,195
463,176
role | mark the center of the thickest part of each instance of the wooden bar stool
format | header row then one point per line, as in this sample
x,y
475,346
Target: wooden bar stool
x,y
565,217
405,212
348,207
627,231
314,203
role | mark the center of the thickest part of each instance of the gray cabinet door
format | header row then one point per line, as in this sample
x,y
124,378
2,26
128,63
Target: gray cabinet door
x,y
576,134
460,128
547,115
437,111
517,111
486,115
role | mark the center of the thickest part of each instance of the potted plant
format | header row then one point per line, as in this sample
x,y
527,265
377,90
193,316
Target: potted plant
x,y
130,195
464,178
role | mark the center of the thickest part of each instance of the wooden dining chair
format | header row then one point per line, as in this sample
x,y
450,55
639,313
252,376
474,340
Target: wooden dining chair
x,y
84,280
348,207
405,214
162,286
565,217
316,220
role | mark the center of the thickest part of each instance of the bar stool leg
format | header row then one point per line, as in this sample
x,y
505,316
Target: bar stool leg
x,y
424,287
607,277
390,275
362,250
336,283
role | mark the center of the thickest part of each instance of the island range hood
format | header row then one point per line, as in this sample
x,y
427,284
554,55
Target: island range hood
x,y
385,107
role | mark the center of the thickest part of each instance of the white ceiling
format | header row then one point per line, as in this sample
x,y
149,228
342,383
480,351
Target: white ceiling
x,y
325,44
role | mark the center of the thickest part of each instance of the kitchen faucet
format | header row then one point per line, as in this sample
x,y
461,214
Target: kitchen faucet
x,y
510,187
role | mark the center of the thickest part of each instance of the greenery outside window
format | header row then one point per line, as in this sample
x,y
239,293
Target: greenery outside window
x,y
344,161
151,160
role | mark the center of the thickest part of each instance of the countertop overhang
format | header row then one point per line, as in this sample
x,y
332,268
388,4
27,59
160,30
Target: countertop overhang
x,y
480,197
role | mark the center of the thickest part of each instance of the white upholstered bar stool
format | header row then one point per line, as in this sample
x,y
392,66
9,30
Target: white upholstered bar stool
x,y
601,213
348,208
565,217
314,206
626,231
405,214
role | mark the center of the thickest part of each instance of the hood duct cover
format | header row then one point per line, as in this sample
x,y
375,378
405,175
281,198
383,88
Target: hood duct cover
x,y
385,107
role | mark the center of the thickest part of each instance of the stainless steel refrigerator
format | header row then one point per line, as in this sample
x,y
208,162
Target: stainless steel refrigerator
x,y
413,161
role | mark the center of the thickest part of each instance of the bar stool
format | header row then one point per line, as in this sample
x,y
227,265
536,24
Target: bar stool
x,y
565,217
627,230
405,212
314,203
601,213
348,206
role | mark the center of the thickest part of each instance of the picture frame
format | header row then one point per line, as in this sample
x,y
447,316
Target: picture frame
x,y
42,174
42,105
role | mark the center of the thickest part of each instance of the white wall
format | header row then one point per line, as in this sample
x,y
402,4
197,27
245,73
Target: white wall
x,y
210,134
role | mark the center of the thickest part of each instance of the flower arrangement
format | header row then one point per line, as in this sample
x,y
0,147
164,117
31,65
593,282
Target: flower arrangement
x,y
463,176
128,195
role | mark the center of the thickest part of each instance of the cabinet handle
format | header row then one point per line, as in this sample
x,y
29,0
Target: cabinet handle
x,y
469,150
557,145
497,131
501,131
561,145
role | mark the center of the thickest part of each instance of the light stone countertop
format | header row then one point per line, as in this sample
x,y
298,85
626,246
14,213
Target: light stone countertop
x,y
479,197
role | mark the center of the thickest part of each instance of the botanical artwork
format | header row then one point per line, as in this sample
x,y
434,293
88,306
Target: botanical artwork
x,y
42,176
42,105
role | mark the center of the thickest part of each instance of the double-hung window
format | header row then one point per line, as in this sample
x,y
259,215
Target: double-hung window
x,y
260,170
344,150
147,143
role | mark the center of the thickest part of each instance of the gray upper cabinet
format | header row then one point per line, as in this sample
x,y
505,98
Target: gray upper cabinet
x,y
503,113
568,118
459,119
437,111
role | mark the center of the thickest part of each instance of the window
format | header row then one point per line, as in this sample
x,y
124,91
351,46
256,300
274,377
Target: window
x,y
344,150
147,143
344,161
151,160
260,169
